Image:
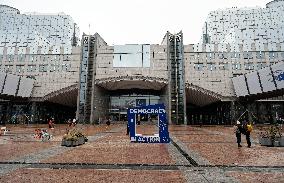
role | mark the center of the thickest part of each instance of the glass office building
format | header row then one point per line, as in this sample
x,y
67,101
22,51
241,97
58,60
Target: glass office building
x,y
43,47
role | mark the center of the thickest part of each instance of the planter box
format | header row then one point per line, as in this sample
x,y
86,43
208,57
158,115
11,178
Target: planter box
x,y
281,141
68,143
265,141
73,143
81,140
276,143
63,142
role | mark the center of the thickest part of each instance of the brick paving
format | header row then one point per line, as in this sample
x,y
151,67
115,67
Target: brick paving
x,y
196,154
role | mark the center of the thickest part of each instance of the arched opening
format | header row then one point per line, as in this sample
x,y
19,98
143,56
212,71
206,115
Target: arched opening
x,y
205,107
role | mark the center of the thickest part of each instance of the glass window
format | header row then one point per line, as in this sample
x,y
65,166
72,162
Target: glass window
x,y
211,67
235,55
82,96
21,58
56,58
66,67
191,57
198,67
1,58
210,55
260,55
248,55
20,68
223,55
120,103
236,66
54,68
282,55
32,58
8,68
31,68
273,55
132,56
67,57
197,56
44,58
261,65
43,68
249,66
224,66
10,58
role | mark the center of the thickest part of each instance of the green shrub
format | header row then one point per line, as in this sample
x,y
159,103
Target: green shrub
x,y
73,135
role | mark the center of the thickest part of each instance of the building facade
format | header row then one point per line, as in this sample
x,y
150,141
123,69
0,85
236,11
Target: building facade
x,y
99,81
197,79
42,47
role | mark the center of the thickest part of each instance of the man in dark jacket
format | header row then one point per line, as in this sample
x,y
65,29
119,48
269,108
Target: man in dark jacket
x,y
239,130
127,130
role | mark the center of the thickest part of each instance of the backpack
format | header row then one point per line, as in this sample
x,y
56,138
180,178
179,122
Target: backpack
x,y
249,128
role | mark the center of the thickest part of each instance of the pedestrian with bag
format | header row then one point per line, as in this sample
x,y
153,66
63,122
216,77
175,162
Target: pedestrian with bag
x,y
238,130
248,130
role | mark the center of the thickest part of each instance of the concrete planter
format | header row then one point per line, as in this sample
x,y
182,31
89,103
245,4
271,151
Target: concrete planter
x,y
68,143
81,140
276,142
282,141
265,141
73,143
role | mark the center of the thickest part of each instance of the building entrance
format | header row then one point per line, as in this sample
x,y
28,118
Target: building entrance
x,y
120,101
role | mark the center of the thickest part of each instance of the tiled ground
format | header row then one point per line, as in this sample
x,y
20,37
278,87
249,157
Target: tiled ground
x,y
110,157
86,175
116,149
249,177
15,150
218,145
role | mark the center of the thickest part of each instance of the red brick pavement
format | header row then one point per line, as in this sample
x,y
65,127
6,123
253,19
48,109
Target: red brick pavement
x,y
216,144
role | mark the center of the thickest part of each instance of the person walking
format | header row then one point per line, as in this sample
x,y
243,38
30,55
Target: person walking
x,y
51,123
138,119
238,130
74,122
108,121
247,131
127,128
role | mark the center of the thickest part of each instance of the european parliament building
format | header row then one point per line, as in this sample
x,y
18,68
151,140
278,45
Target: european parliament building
x,y
211,82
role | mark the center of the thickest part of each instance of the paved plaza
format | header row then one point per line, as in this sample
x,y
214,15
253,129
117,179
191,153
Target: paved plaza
x,y
195,154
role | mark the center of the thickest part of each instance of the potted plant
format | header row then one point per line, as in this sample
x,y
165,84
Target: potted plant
x,y
272,136
73,138
265,139
281,141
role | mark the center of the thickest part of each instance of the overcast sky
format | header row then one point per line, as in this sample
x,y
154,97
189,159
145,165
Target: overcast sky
x,y
135,21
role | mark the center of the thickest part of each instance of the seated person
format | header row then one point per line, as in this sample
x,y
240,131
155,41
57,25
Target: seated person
x,y
37,134
45,135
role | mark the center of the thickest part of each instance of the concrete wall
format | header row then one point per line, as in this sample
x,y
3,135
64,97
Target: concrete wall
x,y
52,72
47,82
211,74
105,69
101,103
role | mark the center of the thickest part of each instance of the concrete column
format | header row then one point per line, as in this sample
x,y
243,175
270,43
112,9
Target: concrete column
x,y
100,104
233,112
33,112
165,100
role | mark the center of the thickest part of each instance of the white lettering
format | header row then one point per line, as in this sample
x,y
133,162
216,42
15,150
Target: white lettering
x,y
147,111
